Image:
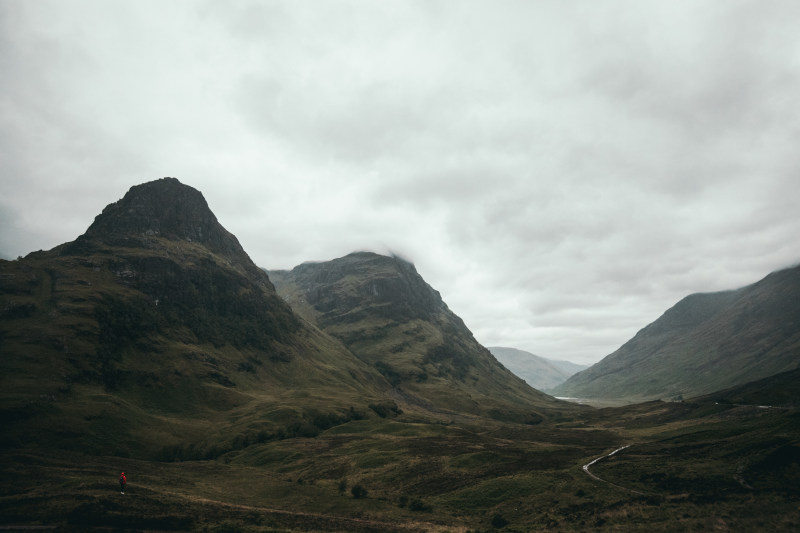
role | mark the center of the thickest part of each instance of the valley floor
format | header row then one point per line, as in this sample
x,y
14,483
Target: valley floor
x,y
689,467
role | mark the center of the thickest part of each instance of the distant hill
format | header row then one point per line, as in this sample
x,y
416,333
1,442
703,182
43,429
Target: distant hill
x,y
780,390
538,372
153,334
389,317
705,343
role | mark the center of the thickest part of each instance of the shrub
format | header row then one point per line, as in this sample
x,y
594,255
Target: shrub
x,y
499,522
358,491
386,409
418,505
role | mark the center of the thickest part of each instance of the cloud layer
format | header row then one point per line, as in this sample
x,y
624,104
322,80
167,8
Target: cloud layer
x,y
562,172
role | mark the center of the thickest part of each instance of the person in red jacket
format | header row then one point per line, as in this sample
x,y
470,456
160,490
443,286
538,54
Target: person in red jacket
x,y
122,482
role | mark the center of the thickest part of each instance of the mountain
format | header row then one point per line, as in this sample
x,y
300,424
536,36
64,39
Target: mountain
x,y
538,372
154,334
567,367
153,345
705,343
391,319
780,390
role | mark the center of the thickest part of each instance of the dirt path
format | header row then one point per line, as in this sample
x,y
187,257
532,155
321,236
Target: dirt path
x,y
306,521
26,528
341,521
589,473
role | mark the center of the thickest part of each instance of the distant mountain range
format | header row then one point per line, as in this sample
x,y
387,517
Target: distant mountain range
x,y
705,343
538,372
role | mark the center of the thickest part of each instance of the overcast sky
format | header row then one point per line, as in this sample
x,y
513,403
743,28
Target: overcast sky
x,y
561,171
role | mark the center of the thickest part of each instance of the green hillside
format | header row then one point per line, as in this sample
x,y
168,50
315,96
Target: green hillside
x,y
382,310
705,343
778,391
688,466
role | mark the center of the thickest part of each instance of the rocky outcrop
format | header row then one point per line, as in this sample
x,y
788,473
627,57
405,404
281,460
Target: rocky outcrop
x,y
162,208
366,283
168,245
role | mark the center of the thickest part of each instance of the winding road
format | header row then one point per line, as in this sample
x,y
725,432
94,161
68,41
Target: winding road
x,y
587,465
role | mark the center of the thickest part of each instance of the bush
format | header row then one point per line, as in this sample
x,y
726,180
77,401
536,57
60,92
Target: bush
x,y
499,522
358,491
387,409
418,505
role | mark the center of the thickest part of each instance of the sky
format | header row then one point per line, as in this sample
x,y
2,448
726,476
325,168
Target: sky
x,y
561,172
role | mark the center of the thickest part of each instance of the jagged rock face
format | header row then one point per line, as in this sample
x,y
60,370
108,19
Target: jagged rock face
x,y
168,245
162,208
350,288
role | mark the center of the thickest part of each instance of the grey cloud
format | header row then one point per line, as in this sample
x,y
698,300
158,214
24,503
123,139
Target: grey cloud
x,y
359,123
561,172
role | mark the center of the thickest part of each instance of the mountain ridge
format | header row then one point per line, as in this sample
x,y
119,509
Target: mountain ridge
x,y
539,372
705,342
388,316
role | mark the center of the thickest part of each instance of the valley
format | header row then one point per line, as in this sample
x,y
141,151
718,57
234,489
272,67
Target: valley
x,y
684,467
538,372
345,396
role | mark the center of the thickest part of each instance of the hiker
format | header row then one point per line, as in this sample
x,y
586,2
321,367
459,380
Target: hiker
x,y
122,482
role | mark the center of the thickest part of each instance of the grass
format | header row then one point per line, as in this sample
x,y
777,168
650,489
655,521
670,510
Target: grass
x,y
91,362
434,477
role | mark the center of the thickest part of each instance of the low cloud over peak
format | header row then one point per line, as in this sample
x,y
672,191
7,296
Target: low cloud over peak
x,y
561,172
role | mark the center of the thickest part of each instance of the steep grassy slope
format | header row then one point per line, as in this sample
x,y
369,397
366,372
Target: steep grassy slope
x,y
706,342
389,317
538,372
153,334
780,390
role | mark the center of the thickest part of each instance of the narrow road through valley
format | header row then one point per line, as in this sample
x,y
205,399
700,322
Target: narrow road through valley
x,y
587,465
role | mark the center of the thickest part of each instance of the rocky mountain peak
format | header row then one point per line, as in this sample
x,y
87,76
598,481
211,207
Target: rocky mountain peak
x,y
163,208
387,284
